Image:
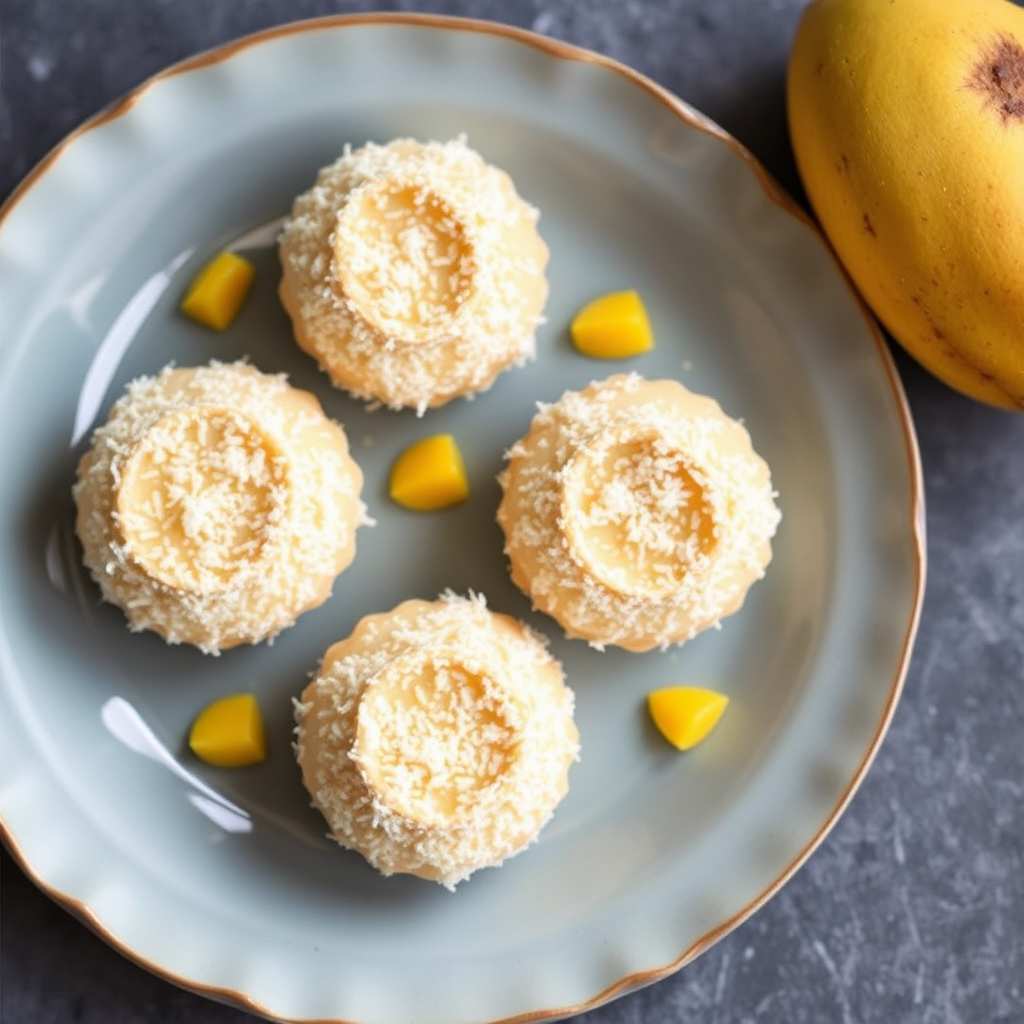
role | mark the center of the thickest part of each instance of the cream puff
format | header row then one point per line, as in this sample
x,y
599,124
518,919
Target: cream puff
x,y
217,504
437,738
413,272
636,513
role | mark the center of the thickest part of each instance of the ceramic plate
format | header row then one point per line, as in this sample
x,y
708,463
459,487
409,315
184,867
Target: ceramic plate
x,y
222,880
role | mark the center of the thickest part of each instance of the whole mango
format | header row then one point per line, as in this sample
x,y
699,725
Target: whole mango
x,y
907,122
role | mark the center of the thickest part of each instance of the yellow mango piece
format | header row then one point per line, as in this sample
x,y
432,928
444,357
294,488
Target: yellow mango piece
x,y
614,326
685,715
429,475
216,294
229,733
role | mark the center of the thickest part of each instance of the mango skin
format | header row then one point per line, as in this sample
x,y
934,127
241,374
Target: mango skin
x,y
907,122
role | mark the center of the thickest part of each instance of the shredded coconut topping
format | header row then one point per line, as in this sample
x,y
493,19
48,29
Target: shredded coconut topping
x,y
217,504
437,738
200,496
413,272
636,513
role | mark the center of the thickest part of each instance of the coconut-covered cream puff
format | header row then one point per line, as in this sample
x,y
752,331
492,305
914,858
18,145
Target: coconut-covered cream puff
x,y
636,513
217,504
413,272
437,738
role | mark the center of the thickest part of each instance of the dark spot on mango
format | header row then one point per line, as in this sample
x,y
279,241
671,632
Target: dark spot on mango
x,y
922,308
869,227
955,357
998,77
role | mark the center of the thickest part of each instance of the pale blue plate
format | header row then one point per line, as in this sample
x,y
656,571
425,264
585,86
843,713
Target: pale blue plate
x,y
222,881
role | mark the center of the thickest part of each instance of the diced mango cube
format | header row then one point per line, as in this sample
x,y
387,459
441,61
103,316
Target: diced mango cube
x,y
216,294
685,715
229,733
429,475
614,326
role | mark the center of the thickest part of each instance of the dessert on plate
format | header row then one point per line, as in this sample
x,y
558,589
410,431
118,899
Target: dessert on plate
x,y
436,739
413,272
217,504
636,513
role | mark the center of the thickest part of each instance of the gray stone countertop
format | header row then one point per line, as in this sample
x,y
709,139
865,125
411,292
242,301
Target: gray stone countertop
x,y
913,907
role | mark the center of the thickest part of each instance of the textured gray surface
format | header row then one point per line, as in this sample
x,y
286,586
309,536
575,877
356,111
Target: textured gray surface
x,y
913,908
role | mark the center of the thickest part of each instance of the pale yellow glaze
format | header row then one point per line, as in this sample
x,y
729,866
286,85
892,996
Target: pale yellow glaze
x,y
636,513
436,739
413,273
217,504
